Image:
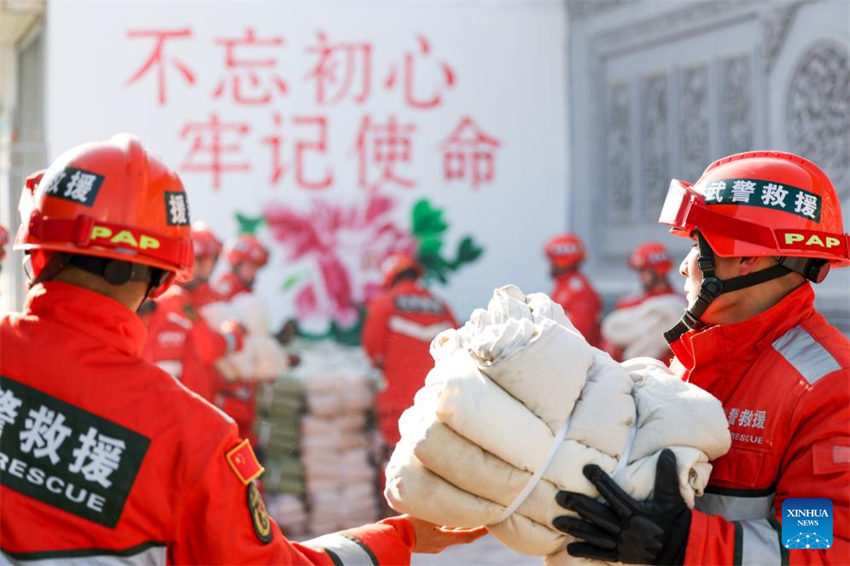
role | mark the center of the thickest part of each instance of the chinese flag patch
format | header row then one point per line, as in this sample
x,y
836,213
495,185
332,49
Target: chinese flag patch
x,y
243,462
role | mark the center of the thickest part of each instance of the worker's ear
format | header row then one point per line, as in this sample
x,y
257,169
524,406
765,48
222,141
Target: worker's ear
x,y
748,265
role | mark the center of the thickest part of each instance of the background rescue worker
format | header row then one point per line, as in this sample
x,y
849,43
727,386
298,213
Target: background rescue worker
x,y
105,458
400,324
246,256
207,249
180,340
652,263
573,290
764,225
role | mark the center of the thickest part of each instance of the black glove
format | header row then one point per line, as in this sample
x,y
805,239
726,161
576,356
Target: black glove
x,y
654,531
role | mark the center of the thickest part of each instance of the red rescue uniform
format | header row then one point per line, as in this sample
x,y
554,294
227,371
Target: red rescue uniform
x,y
397,334
204,294
582,305
182,343
784,382
107,458
237,398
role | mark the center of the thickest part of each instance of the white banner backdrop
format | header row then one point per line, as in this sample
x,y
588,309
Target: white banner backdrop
x,y
320,125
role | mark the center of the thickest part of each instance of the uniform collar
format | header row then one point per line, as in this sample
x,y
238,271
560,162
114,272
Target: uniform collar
x,y
709,354
92,313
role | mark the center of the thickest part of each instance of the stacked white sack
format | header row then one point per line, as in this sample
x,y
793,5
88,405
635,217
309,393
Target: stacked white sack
x,y
503,387
261,357
335,441
289,512
639,330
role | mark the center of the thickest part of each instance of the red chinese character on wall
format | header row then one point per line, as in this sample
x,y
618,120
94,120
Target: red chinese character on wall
x,y
275,141
382,147
307,151
303,148
207,140
157,58
468,154
439,78
339,68
244,75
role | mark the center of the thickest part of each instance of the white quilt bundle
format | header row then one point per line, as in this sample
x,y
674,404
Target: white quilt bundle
x,y
639,330
261,358
518,403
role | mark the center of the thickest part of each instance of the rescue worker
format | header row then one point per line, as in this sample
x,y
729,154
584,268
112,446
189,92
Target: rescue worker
x,y
207,248
180,340
246,256
105,458
400,324
573,290
652,263
637,321
764,225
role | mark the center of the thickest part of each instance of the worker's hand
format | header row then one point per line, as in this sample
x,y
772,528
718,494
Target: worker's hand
x,y
654,531
431,538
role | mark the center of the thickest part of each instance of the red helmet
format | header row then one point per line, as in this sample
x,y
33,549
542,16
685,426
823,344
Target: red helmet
x,y
761,203
651,255
246,248
204,240
4,239
111,199
396,264
565,251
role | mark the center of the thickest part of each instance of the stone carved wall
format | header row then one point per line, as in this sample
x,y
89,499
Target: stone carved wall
x,y
693,120
619,151
655,166
736,104
818,111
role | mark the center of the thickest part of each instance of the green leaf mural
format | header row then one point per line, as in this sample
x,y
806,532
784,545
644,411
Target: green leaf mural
x,y
248,224
429,227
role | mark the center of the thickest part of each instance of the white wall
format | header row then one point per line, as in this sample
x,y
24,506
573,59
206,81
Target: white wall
x,y
508,63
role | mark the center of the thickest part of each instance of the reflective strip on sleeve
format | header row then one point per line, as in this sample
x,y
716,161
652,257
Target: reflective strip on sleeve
x,y
416,330
142,555
735,508
759,543
171,367
344,550
806,355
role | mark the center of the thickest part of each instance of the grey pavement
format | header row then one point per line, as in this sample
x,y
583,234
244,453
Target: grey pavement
x,y
485,551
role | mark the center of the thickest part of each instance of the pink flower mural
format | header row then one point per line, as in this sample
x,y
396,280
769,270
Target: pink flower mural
x,y
344,244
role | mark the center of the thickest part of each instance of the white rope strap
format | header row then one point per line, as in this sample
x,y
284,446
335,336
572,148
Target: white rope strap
x,y
538,474
627,451
553,449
